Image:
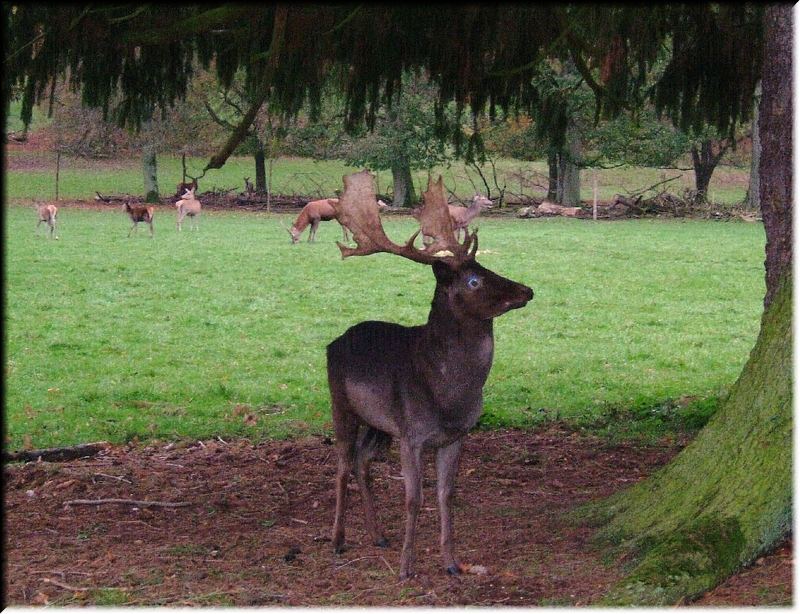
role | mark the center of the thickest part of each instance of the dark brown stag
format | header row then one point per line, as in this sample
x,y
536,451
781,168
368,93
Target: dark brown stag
x,y
421,384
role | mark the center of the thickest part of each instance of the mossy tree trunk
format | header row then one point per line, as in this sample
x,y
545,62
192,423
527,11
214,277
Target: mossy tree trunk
x,y
569,171
726,498
403,192
150,174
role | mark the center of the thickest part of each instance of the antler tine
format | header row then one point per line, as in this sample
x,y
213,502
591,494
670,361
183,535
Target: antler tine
x,y
357,210
437,225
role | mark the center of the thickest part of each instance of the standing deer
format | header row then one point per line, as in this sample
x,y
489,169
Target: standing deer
x,y
188,205
140,213
313,213
462,216
420,384
47,214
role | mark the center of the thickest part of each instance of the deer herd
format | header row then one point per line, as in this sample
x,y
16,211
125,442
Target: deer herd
x,y
422,385
310,216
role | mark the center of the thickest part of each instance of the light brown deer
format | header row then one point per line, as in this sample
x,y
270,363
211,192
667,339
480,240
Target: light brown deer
x,y
420,384
188,205
183,186
47,214
313,213
462,216
140,213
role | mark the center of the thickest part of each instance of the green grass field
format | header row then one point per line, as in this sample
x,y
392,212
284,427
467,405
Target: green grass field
x,y
223,331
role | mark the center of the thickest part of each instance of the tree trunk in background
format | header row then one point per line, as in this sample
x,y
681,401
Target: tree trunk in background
x,y
570,172
727,497
150,174
261,169
704,162
403,195
753,201
775,132
552,165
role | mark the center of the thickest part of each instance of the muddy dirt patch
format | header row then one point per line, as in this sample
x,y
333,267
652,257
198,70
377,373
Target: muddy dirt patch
x,y
256,530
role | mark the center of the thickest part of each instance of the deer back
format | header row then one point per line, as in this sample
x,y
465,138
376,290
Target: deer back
x,y
140,213
315,210
47,213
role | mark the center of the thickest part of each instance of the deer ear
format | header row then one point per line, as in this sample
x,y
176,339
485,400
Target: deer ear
x,y
443,272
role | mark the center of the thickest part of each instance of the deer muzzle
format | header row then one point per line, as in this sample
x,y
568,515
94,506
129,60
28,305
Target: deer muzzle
x,y
523,296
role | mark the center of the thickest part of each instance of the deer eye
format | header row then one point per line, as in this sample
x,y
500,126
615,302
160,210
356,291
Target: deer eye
x,y
473,281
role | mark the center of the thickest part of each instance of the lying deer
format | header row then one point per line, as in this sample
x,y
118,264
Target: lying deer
x,y
462,216
140,213
420,384
47,214
188,205
313,213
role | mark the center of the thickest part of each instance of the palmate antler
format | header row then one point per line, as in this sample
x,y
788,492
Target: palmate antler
x,y
358,211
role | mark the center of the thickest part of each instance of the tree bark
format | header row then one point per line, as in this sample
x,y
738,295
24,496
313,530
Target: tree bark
x,y
150,174
753,200
704,162
727,497
261,169
552,166
403,195
775,128
570,171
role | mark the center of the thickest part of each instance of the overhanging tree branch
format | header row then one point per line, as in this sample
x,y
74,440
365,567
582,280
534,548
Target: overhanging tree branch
x,y
241,130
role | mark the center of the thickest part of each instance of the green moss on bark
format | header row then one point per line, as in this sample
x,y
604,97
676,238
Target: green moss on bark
x,y
723,500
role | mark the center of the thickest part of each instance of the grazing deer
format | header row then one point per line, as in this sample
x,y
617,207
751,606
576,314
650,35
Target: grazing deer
x,y
313,213
140,213
249,190
188,205
421,384
47,214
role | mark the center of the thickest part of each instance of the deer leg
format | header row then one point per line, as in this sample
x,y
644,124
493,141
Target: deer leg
x,y
131,230
446,469
411,460
150,223
346,427
179,222
313,230
370,442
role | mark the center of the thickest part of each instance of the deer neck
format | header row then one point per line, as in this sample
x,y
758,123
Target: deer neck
x,y
466,342
302,221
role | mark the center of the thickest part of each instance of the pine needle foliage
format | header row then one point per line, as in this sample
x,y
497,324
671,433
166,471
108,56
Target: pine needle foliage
x,y
482,57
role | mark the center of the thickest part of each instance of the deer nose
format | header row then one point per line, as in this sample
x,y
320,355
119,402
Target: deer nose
x,y
526,295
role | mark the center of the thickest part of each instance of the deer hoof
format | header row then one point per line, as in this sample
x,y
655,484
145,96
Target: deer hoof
x,y
340,549
454,570
382,543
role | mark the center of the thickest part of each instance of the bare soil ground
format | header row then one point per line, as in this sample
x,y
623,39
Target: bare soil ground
x,y
256,530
